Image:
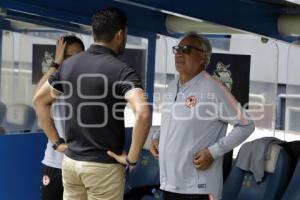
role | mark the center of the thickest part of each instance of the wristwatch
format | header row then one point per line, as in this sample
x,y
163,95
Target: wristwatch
x,y
59,142
55,65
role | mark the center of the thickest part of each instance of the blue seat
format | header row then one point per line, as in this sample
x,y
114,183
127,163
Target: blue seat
x,y
145,174
293,190
145,177
241,185
19,118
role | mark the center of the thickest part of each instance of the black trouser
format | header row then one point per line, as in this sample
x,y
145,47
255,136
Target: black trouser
x,y
51,184
176,196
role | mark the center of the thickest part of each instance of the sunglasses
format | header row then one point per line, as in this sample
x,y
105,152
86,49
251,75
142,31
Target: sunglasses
x,y
186,49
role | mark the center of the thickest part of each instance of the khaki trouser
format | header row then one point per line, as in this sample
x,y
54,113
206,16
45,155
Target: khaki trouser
x,y
92,181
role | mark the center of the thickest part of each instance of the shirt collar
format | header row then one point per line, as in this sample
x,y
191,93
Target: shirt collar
x,y
192,81
100,49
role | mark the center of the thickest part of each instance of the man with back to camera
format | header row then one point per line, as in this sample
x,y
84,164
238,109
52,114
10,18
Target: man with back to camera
x,y
51,183
93,165
192,139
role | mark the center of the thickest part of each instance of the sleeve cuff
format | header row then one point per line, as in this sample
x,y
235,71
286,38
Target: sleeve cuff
x,y
131,90
215,151
56,90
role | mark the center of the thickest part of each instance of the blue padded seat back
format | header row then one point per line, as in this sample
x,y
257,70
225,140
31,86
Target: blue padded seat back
x,y
293,190
241,185
146,172
19,118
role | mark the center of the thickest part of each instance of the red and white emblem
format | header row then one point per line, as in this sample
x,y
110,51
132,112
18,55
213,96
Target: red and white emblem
x,y
46,180
191,101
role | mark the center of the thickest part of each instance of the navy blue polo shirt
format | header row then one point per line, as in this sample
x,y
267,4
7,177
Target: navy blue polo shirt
x,y
93,84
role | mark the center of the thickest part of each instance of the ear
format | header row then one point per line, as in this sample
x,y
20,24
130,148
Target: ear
x,y
203,57
120,34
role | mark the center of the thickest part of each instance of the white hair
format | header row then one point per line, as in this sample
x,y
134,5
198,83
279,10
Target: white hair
x,y
204,44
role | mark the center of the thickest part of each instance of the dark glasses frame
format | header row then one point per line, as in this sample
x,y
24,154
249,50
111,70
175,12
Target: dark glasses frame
x,y
186,49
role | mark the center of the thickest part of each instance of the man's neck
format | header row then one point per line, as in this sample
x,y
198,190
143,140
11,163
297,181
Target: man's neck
x,y
185,78
107,45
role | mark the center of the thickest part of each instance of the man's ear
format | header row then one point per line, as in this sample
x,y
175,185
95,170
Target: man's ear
x,y
120,34
203,57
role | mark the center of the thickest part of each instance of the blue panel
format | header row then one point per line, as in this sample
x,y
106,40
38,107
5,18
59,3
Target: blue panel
x,y
256,17
4,24
20,167
252,16
151,67
44,11
150,59
71,12
0,54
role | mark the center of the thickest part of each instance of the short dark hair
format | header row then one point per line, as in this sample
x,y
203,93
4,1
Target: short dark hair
x,y
70,39
107,22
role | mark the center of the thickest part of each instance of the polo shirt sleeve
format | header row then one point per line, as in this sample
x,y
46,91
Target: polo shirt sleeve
x,y
128,80
55,82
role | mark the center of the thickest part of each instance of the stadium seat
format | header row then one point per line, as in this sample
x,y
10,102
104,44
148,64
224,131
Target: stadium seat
x,y
19,118
241,185
145,177
293,190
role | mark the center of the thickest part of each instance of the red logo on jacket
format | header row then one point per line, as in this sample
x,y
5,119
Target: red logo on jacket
x,y
191,101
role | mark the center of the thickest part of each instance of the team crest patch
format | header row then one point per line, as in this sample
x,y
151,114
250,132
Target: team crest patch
x,y
223,74
46,180
191,101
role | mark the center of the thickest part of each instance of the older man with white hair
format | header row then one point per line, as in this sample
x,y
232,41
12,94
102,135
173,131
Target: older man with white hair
x,y
192,139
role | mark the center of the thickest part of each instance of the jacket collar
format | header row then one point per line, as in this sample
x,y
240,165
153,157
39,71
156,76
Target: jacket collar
x,y
192,81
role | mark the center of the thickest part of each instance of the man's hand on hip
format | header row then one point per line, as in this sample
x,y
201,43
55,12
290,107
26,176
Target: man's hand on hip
x,y
120,158
62,148
203,159
154,148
